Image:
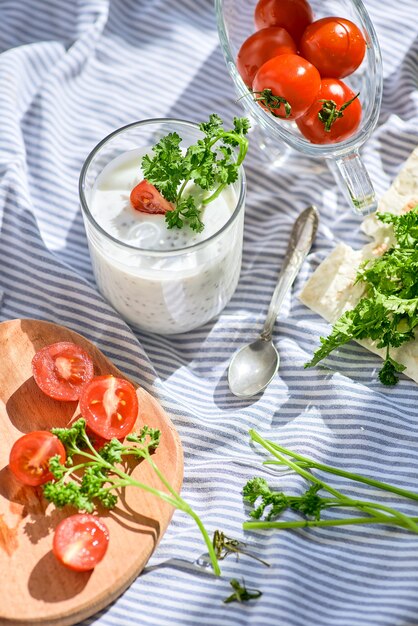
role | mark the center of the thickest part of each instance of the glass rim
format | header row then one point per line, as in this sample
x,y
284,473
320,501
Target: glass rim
x,y
150,251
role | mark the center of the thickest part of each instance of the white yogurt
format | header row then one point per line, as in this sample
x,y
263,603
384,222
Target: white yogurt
x,y
162,280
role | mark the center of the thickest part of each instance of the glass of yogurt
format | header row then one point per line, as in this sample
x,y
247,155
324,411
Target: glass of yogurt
x,y
160,280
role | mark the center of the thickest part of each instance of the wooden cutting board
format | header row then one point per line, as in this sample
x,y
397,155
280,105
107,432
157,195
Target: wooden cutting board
x,y
34,587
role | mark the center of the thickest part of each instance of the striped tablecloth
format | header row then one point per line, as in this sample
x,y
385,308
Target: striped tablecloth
x,y
71,72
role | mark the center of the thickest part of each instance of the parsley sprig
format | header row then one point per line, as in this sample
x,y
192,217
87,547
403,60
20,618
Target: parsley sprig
x,y
211,164
90,477
269,504
388,311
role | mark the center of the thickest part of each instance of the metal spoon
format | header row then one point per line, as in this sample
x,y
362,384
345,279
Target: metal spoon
x,y
252,368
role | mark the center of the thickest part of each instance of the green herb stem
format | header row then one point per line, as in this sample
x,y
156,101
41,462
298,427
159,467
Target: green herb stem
x,y
266,525
309,463
182,504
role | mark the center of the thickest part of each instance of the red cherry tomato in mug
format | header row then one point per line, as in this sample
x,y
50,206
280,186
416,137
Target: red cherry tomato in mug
x,y
110,406
334,45
260,47
147,199
342,127
30,455
61,369
293,15
80,542
291,78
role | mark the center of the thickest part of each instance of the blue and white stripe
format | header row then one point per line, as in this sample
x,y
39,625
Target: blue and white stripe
x,y
69,74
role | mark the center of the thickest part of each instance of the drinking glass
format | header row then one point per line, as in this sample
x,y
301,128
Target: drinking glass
x,y
161,291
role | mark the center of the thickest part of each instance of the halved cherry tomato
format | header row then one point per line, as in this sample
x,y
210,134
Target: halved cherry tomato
x,y
146,198
61,369
80,542
110,406
336,94
260,47
334,45
30,455
293,84
293,15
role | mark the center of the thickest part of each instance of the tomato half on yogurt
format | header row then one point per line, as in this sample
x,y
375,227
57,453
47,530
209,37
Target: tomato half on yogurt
x,y
286,86
335,46
146,198
30,455
293,15
80,542
334,116
110,406
61,369
260,47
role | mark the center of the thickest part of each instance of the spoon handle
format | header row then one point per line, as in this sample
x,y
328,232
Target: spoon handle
x,y
301,239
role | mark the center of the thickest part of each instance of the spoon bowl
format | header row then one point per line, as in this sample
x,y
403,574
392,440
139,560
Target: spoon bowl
x,y
252,368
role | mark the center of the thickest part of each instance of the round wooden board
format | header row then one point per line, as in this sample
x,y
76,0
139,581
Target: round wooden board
x,y
34,587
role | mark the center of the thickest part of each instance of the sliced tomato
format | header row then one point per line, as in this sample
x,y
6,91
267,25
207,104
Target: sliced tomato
x,y
80,542
146,198
293,15
260,47
334,116
286,85
110,406
335,46
61,369
30,455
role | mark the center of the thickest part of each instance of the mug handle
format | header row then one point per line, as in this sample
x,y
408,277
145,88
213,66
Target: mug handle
x,y
357,184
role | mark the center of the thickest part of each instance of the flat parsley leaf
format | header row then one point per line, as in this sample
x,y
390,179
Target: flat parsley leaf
x,y
388,312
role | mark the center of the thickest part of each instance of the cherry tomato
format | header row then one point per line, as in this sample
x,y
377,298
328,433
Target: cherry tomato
x,y
292,80
80,542
260,47
334,45
343,126
61,369
110,406
293,15
30,455
146,198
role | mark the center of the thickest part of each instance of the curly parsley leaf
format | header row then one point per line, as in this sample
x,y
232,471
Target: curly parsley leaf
x,y
388,311
166,169
211,164
271,504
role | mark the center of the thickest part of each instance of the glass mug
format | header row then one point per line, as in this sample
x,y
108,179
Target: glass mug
x,y
235,23
161,291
